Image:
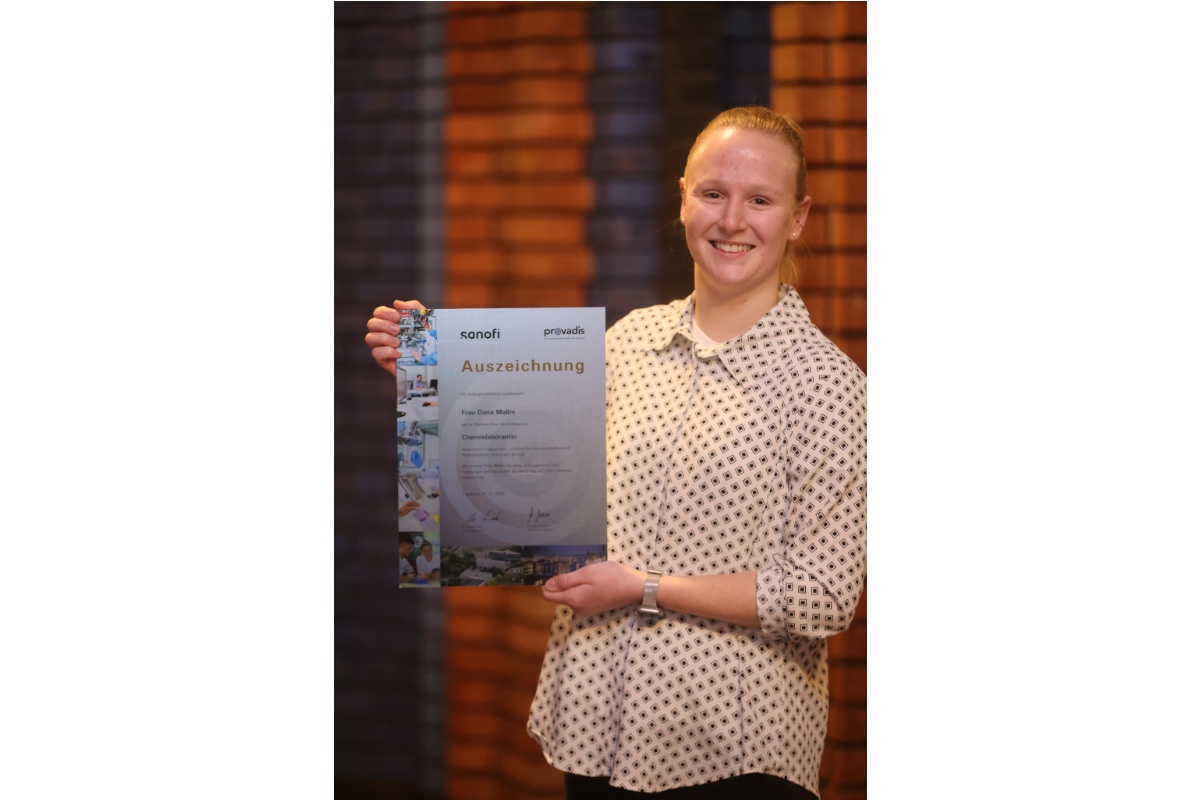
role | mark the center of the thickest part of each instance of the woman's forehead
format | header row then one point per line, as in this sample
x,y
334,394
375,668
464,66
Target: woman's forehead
x,y
738,150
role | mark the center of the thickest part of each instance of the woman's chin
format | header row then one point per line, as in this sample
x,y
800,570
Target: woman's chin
x,y
737,278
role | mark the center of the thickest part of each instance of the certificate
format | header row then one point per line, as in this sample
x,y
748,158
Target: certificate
x,y
500,443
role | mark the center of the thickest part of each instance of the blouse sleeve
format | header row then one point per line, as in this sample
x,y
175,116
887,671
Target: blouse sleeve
x,y
812,585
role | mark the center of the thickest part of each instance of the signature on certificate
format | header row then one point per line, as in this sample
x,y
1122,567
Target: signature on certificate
x,y
488,516
536,515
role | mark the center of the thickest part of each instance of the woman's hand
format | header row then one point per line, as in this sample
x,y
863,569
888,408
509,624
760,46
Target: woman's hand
x,y
382,328
596,587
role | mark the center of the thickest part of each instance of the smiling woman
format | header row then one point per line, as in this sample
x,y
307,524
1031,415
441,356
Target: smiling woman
x,y
695,659
743,205
786,134
736,525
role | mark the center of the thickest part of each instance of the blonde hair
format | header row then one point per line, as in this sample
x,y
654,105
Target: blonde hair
x,y
787,130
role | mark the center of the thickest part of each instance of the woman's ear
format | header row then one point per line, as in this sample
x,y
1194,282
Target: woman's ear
x,y
801,214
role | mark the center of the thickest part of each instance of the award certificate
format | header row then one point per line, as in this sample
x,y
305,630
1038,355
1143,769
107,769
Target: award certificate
x,y
500,441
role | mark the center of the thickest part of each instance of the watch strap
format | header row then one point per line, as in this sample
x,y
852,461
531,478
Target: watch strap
x,y
649,604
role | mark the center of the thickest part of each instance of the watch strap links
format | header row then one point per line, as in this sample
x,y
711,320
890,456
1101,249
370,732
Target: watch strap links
x,y
649,604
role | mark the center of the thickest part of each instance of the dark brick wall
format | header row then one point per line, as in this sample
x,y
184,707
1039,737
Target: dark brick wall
x,y
388,101
625,92
662,71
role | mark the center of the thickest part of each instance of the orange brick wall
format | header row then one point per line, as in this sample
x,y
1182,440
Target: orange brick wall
x,y
495,638
819,76
516,193
517,199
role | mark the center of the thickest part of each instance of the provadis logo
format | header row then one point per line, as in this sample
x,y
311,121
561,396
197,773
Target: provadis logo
x,y
576,331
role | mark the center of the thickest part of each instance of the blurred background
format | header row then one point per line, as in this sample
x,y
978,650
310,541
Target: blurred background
x,y
496,154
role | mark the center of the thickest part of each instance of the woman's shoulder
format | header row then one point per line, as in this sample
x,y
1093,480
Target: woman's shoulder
x,y
649,325
809,345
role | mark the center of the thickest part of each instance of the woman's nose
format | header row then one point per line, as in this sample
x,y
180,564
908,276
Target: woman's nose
x,y
734,218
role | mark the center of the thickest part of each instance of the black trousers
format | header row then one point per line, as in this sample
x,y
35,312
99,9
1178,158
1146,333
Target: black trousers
x,y
754,785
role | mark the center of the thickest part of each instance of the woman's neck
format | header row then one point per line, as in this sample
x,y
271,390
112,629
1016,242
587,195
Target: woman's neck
x,y
724,317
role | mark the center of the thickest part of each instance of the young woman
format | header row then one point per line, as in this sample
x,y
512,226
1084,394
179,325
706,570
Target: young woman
x,y
693,661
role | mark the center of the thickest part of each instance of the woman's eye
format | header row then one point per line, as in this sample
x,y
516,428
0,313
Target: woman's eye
x,y
759,201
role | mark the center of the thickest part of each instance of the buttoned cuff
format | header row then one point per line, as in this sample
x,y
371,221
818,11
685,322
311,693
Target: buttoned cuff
x,y
771,599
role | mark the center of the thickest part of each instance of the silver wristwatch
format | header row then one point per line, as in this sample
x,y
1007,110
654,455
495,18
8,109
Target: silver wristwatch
x,y
650,594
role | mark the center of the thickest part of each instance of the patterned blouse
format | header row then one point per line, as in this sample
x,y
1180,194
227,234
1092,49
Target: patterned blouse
x,y
745,457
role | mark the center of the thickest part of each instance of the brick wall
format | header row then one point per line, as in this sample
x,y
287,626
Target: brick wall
x,y
517,127
662,71
387,237
624,159
819,76
517,203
